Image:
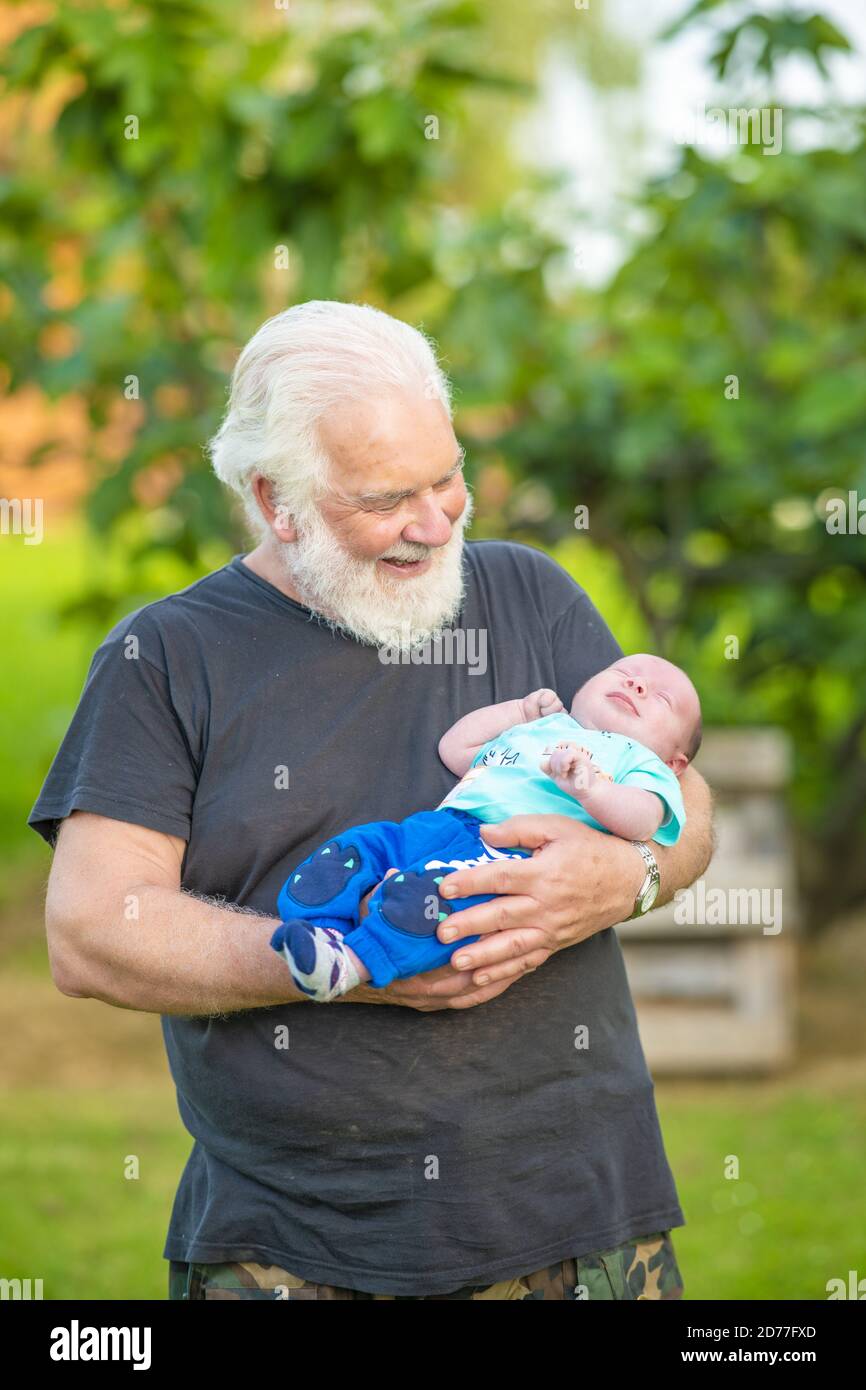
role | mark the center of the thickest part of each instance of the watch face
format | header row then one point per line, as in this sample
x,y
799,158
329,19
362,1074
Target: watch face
x,y
649,896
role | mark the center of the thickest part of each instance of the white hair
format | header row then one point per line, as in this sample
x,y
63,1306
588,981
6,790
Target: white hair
x,y
296,367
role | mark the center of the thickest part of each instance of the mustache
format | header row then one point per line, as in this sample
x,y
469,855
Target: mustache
x,y
417,552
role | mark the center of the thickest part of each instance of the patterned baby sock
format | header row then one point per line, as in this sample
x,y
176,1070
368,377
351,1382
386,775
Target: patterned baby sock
x,y
318,962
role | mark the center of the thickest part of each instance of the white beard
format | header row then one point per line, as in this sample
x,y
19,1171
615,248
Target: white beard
x,y
355,597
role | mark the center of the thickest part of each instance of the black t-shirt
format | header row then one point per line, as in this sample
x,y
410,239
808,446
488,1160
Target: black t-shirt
x,y
384,1149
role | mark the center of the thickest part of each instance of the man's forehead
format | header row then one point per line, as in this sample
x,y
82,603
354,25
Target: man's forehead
x,y
380,422
388,443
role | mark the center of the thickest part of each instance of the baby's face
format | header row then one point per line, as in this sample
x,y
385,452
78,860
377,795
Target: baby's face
x,y
647,699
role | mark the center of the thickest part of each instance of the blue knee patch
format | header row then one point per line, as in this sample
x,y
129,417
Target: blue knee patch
x,y
324,875
411,903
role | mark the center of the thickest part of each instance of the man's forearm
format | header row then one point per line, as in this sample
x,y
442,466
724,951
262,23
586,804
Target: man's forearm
x,y
169,952
120,929
680,864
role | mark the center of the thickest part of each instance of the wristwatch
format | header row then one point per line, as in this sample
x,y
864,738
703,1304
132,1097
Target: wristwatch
x,y
649,889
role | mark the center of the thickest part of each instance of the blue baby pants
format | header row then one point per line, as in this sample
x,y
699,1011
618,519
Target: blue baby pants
x,y
397,938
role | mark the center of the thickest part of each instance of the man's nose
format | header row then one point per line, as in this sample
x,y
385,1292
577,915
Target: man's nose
x,y
430,524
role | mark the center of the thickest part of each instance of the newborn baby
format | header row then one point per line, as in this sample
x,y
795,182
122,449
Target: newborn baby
x,y
613,762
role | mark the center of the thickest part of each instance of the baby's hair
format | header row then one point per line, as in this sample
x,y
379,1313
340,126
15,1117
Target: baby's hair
x,y
695,740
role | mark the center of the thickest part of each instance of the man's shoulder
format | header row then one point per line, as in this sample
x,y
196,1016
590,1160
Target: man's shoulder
x,y
525,570
495,552
174,616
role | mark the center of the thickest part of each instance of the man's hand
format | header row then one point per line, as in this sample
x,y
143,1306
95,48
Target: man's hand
x,y
539,704
364,904
442,988
579,881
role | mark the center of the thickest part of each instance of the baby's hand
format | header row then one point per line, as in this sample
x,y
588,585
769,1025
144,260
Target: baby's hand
x,y
571,767
540,704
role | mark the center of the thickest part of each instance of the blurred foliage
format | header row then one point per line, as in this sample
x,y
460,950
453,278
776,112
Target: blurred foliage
x,y
716,504
770,37
286,158
188,164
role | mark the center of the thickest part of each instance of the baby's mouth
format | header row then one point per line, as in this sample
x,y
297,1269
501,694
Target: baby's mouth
x,y
618,695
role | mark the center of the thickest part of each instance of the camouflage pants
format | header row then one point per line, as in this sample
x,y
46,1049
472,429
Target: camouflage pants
x,y
644,1267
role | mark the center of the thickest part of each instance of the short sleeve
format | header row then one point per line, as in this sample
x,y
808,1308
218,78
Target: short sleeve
x,y
125,754
583,644
493,743
654,776
566,625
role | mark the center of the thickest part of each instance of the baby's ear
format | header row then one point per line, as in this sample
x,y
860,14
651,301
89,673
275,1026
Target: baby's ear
x,y
678,764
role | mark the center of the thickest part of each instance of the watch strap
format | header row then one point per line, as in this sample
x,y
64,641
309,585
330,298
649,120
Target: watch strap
x,y
644,901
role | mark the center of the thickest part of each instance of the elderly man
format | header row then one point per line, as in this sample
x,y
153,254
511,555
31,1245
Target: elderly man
x,y
486,1129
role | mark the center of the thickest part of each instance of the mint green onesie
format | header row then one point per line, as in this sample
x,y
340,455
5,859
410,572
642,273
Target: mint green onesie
x,y
505,778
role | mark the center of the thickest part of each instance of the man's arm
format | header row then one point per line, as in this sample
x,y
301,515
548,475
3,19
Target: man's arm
x,y
120,929
682,863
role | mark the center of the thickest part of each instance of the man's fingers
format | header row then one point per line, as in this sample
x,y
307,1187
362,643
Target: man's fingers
x,y
506,876
364,904
525,832
511,969
444,988
481,996
499,876
441,983
512,944
502,913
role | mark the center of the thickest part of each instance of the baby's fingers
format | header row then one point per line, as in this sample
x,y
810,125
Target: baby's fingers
x,y
562,762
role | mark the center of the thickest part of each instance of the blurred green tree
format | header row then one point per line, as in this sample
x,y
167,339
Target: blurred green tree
x,y
200,178
711,412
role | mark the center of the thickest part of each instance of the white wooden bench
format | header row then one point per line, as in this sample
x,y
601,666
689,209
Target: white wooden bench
x,y
719,996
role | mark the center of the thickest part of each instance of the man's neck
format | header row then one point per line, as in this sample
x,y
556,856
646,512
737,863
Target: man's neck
x,y
266,563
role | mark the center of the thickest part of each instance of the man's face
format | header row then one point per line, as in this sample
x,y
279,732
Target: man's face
x,y
645,698
383,549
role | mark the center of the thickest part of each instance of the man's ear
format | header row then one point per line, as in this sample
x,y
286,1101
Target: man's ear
x,y
275,513
678,764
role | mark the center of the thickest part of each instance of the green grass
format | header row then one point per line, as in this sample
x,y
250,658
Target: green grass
x,y
68,1213
794,1219
796,1216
